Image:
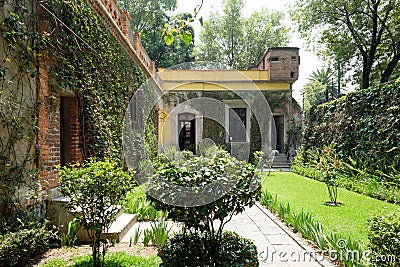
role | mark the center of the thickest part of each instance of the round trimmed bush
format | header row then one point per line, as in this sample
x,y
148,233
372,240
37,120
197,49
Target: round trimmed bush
x,y
205,249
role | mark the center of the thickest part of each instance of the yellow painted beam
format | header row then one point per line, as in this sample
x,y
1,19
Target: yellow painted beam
x,y
226,86
213,75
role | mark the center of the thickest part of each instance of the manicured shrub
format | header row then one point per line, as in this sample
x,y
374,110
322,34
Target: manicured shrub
x,y
200,249
95,188
384,237
203,194
236,186
18,248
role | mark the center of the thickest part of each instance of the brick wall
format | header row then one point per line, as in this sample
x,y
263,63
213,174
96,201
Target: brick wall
x,y
50,128
282,63
76,153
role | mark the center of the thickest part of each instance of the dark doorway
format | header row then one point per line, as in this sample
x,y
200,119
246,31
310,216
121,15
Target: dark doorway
x,y
187,132
65,130
280,133
237,125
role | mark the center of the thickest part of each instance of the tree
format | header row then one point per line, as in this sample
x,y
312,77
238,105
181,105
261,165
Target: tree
x,y
237,41
313,94
149,18
146,13
203,193
94,189
321,85
360,34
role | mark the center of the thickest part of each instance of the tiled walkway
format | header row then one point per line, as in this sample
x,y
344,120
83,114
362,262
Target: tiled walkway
x,y
276,244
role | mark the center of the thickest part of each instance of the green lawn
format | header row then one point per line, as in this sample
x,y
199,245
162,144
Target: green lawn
x,y
120,259
309,195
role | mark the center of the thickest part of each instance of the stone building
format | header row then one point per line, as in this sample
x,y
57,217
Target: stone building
x,y
187,115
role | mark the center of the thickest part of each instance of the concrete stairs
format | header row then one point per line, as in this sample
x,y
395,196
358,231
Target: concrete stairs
x,y
60,217
281,163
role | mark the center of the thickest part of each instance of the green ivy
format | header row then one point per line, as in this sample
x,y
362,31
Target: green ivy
x,y
19,52
363,125
88,60
83,57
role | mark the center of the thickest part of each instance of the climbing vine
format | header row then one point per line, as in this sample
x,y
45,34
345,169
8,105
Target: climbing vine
x,y
364,126
67,38
18,108
86,59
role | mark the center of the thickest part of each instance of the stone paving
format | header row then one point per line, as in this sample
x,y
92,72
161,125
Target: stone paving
x,y
277,245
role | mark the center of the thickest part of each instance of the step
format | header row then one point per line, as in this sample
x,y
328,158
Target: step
x,y
120,227
60,216
62,200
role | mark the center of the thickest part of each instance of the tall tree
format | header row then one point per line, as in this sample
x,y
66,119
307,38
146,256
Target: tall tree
x,y
320,88
149,18
237,41
362,35
313,94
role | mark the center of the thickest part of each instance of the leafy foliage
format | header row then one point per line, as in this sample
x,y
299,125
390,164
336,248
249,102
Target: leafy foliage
x,y
94,189
384,236
168,40
201,171
240,42
319,88
359,35
97,69
70,237
197,249
136,203
20,247
329,165
157,234
363,128
19,52
205,222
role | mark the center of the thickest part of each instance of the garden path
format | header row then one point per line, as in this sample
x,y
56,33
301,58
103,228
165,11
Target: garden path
x,y
277,245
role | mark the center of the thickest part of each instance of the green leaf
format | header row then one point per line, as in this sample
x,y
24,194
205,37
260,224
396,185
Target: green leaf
x,y
187,37
201,21
169,39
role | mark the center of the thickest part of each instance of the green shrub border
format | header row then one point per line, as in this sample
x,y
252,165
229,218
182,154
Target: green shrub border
x,y
363,125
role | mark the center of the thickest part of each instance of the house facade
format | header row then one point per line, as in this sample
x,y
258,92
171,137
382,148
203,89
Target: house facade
x,y
249,108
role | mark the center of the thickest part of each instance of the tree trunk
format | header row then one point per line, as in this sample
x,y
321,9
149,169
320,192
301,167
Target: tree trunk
x,y
367,66
389,69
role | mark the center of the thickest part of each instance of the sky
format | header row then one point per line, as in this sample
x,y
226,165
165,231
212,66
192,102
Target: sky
x,y
309,61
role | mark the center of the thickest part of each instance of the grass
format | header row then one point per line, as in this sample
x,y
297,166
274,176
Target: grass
x,y
136,203
309,195
120,259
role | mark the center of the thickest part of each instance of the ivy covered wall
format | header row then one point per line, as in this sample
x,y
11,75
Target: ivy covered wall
x,y
51,50
85,58
363,125
279,103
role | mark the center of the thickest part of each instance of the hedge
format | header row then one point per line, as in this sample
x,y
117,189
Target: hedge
x,y
363,125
